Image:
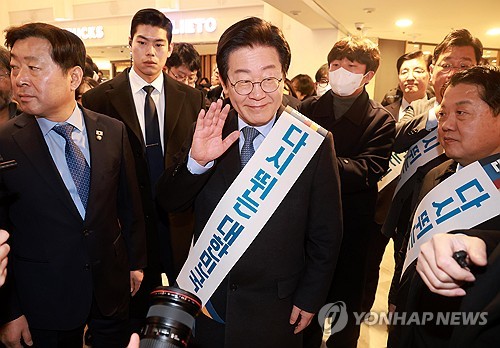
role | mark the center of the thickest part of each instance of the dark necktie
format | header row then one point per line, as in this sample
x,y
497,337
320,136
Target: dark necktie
x,y
248,150
78,167
153,143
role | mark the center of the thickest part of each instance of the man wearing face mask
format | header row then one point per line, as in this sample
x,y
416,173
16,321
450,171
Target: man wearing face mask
x,y
322,82
363,133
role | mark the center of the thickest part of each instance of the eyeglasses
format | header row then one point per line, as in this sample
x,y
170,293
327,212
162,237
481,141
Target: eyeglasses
x,y
4,75
447,67
323,83
181,78
245,87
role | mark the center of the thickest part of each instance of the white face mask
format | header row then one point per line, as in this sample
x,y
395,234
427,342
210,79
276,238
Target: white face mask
x,y
344,82
322,90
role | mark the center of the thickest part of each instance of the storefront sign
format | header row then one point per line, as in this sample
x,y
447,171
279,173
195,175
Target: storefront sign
x,y
194,25
85,33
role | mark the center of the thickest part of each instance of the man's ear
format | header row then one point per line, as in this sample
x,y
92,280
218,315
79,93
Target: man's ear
x,y
76,76
431,71
170,49
368,76
224,87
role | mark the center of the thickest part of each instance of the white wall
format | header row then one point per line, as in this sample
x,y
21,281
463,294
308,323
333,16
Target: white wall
x,y
309,47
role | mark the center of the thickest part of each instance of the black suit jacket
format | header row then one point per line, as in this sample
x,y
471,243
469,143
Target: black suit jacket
x,y
363,143
483,296
182,105
394,109
58,260
290,262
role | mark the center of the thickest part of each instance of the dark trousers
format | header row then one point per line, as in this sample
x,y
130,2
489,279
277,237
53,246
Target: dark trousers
x,y
107,332
347,285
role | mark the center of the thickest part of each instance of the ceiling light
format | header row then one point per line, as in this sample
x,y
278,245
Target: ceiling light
x,y
493,31
402,23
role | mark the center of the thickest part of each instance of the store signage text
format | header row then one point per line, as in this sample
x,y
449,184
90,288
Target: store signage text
x,y
194,25
85,33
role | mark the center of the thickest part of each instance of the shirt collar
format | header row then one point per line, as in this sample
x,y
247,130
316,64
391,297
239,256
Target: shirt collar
x,y
404,104
137,83
76,120
264,130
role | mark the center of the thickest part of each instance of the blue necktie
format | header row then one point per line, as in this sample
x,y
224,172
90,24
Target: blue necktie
x,y
78,167
154,152
248,150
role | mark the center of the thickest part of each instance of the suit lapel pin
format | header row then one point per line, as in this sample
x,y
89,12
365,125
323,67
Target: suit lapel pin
x,y
99,134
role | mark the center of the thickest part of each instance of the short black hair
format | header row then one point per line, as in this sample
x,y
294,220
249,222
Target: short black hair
x,y
414,55
357,49
304,84
486,78
184,53
251,32
152,17
67,49
460,38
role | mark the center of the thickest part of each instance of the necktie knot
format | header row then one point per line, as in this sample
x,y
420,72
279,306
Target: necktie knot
x,y
148,89
64,130
250,134
247,151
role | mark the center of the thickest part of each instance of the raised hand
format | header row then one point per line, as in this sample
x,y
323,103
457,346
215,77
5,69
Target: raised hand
x,y
207,143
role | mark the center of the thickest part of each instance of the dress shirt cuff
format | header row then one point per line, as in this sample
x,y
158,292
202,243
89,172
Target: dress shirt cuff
x,y
432,121
196,168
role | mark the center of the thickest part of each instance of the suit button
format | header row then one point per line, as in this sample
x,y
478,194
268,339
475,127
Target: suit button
x,y
86,233
233,287
86,267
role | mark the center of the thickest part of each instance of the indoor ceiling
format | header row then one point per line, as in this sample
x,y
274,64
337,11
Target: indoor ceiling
x,y
432,19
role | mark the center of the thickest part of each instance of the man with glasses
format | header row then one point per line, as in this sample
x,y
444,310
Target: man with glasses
x,y
364,133
272,292
184,63
158,113
322,82
458,51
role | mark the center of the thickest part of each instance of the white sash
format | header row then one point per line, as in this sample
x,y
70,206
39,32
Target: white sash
x,y
462,201
424,151
250,201
395,166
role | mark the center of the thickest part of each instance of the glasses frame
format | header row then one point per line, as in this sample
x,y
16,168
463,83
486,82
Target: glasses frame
x,y
255,83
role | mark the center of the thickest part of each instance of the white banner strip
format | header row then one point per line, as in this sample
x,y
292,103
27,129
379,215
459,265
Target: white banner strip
x,y
395,166
249,203
424,151
462,201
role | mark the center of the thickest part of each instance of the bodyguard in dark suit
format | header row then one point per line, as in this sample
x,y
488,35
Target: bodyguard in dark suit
x,y
363,132
177,106
71,206
274,289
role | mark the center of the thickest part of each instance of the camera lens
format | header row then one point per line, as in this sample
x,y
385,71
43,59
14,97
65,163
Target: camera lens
x,y
170,318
